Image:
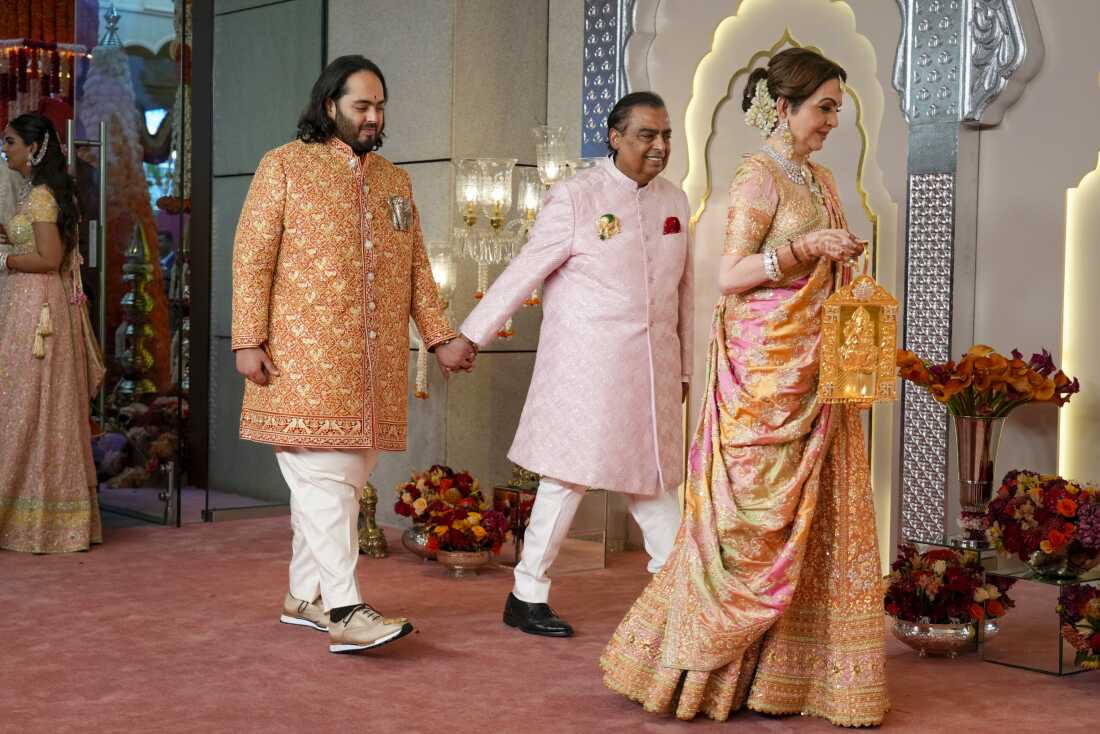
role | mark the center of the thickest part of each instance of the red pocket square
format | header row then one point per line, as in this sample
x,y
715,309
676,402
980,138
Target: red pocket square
x,y
672,225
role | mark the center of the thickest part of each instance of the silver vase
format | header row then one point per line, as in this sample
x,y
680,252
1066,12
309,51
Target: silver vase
x,y
415,540
463,564
977,439
942,639
1062,565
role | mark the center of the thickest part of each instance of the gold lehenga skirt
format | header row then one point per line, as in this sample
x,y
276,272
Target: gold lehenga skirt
x,y
824,655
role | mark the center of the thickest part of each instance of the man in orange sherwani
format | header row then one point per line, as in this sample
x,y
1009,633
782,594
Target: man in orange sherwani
x,y
328,266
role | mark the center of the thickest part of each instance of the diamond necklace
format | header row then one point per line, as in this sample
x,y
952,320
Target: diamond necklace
x,y
792,170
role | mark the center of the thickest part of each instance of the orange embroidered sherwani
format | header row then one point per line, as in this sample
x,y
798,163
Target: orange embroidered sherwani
x,y
327,281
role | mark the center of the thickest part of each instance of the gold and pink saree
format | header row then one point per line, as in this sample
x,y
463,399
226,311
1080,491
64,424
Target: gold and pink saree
x,y
772,597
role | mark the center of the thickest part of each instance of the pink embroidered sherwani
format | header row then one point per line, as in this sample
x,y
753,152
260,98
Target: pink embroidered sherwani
x,y
603,409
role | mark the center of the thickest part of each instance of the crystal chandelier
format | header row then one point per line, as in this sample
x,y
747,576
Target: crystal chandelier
x,y
484,189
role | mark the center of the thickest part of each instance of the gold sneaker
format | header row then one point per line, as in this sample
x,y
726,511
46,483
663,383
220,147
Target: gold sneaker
x,y
304,613
364,629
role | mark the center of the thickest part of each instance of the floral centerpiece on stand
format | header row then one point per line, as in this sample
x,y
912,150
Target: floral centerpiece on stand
x,y
423,490
450,516
1050,523
979,392
1079,610
437,484
939,597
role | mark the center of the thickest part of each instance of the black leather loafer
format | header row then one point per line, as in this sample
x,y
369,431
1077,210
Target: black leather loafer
x,y
535,619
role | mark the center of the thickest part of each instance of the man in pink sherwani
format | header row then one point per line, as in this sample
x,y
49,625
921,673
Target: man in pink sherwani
x,y
612,252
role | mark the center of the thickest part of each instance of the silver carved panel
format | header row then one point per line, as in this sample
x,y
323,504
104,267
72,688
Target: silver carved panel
x,y
928,333
964,60
927,70
607,28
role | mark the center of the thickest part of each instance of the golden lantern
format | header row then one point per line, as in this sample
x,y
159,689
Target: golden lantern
x,y
859,337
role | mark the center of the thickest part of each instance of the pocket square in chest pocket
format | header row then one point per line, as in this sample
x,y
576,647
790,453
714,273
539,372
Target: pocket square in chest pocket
x,y
400,213
672,225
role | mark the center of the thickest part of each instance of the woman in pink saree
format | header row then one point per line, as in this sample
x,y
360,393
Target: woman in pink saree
x,y
772,597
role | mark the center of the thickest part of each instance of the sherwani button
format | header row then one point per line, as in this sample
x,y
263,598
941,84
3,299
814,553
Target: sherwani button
x,y
372,334
368,244
370,277
371,305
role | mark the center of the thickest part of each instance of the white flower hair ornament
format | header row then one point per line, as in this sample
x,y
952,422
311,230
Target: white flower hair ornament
x,y
762,113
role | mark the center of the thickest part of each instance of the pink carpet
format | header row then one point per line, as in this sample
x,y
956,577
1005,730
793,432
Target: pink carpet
x,y
175,630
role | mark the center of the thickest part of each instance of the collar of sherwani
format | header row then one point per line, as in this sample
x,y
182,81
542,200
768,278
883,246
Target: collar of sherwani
x,y
345,151
620,178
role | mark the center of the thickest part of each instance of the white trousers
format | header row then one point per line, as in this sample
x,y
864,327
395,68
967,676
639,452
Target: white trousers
x,y
325,487
555,505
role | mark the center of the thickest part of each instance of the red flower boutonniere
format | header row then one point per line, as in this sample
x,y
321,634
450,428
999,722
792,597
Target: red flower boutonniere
x,y
672,225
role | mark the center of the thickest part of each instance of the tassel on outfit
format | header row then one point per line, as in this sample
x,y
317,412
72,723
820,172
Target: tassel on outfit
x,y
45,329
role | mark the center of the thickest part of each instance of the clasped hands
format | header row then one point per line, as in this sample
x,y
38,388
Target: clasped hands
x,y
838,245
456,355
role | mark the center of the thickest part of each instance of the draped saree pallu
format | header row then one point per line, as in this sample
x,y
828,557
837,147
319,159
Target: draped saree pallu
x,y
772,597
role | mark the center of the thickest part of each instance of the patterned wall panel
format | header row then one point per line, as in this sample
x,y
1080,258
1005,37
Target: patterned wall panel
x,y
607,27
928,332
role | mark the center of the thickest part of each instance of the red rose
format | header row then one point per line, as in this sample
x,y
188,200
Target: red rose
x,y
672,225
402,509
1094,642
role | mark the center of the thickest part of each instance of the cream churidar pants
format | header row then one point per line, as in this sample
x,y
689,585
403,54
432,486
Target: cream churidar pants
x,y
325,486
555,505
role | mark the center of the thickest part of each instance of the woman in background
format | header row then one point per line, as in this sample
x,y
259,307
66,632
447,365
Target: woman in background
x,y
47,477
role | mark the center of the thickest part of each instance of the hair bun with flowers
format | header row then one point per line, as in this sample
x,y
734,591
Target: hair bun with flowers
x,y
762,113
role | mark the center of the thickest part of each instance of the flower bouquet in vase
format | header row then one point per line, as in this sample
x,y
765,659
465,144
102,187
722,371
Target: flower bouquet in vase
x,y
1050,523
1079,610
979,392
438,487
939,598
464,535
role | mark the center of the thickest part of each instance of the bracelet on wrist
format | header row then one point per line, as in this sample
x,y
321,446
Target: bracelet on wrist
x,y
771,265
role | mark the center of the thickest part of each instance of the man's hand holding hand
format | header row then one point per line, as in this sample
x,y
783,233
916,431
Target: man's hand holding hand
x,y
456,355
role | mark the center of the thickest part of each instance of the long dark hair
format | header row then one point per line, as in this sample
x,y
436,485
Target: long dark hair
x,y
51,171
315,126
794,73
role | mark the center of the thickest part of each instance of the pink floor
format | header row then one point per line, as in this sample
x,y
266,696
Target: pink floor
x,y
175,630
